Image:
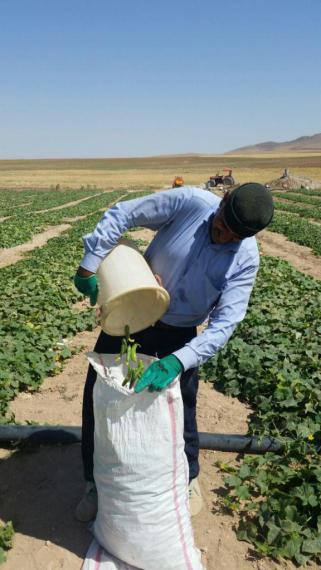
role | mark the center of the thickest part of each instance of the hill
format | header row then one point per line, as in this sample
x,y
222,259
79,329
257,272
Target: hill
x,y
302,144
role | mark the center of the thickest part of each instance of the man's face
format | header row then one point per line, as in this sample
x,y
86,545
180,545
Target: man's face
x,y
220,232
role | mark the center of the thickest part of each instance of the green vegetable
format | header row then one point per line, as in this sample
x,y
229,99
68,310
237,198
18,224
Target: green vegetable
x,y
129,348
133,355
6,539
128,354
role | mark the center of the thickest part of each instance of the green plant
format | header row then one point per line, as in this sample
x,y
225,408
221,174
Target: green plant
x,y
37,315
298,197
129,350
273,364
6,539
302,211
298,230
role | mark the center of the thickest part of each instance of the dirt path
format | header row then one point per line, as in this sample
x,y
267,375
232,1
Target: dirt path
x,y
14,254
299,256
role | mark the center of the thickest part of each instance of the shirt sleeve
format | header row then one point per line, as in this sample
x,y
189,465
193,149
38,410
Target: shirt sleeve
x,y
151,212
229,311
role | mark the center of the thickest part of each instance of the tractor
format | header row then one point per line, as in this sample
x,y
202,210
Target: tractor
x,y
221,179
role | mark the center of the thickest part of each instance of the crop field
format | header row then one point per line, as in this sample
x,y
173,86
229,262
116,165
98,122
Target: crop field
x,y
33,345
271,364
298,217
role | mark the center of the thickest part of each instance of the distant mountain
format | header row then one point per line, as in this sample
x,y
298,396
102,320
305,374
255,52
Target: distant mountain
x,y
302,144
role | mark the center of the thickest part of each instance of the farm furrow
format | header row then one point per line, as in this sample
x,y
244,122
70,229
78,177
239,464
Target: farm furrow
x,y
304,210
297,230
19,229
37,313
10,200
300,257
68,204
298,197
13,254
305,192
9,256
272,363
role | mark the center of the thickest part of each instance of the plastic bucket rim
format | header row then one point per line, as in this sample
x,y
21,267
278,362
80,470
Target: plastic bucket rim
x,y
149,288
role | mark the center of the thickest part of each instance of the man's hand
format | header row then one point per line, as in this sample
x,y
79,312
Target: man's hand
x,y
86,283
159,374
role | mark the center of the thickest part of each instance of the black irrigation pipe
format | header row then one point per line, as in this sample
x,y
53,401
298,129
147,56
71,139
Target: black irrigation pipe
x,y
69,434
239,443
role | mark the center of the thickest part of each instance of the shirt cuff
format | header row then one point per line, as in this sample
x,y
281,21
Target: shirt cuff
x,y
91,262
187,356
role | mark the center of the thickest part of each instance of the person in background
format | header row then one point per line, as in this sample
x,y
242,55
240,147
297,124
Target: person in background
x,y
178,182
205,253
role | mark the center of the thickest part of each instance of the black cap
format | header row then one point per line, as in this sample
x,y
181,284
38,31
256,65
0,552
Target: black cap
x,y
248,209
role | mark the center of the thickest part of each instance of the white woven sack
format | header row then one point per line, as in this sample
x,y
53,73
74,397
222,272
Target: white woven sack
x,y
98,559
141,472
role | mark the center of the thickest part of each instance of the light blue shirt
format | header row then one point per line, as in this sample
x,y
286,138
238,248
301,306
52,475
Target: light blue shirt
x,y
204,279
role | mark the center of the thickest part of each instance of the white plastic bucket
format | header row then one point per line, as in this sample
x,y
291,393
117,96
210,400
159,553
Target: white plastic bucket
x,y
128,291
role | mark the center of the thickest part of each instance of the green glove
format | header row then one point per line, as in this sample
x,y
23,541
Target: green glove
x,y
88,286
159,374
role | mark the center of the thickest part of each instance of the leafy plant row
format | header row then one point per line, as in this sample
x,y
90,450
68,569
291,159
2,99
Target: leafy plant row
x,y
17,229
36,311
6,539
12,197
273,363
293,197
306,192
303,212
297,230
39,200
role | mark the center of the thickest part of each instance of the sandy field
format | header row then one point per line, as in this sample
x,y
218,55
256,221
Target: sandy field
x,y
154,172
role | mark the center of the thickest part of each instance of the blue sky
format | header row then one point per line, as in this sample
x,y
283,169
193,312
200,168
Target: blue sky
x,y
98,78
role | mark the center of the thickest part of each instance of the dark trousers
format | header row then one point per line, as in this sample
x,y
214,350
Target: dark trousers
x,y
158,341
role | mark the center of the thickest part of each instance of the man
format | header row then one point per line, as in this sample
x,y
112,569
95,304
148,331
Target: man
x,y
207,258
178,182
